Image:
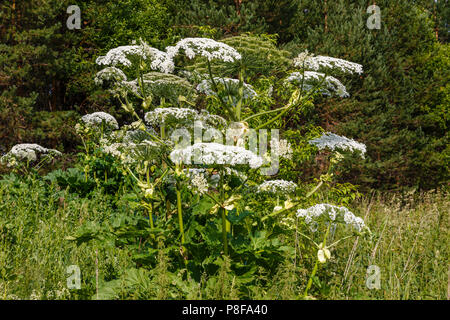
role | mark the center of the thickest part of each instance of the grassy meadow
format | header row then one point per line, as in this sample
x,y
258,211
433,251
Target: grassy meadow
x,y
409,244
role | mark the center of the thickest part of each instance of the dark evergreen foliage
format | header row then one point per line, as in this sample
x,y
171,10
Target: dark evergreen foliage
x,y
399,107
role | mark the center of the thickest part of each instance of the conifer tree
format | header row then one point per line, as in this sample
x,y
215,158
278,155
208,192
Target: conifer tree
x,y
386,110
45,67
231,17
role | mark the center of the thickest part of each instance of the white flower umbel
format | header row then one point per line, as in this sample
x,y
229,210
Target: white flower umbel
x,y
96,119
206,87
135,87
235,173
310,77
281,148
198,183
211,120
299,61
216,154
160,60
323,62
129,152
213,177
160,85
162,115
208,48
184,116
277,187
131,86
231,87
333,142
26,152
113,149
139,135
110,74
162,79
120,55
331,213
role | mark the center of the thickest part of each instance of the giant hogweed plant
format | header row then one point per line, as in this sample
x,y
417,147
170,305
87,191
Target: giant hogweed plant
x,y
209,191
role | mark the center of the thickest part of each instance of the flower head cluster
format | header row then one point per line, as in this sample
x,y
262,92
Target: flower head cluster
x,y
288,223
156,84
131,86
208,48
198,183
114,149
206,86
156,87
216,154
333,141
230,172
277,187
110,74
138,135
309,77
300,60
282,148
211,120
131,150
160,59
162,115
120,55
26,152
96,119
184,116
320,62
331,213
162,80
212,176
232,84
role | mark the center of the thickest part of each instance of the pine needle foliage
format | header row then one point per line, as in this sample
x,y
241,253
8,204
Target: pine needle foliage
x,y
260,56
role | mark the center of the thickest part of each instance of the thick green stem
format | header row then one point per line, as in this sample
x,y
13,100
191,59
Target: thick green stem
x,y
150,217
316,266
294,99
140,78
180,222
216,89
295,205
315,189
223,213
241,95
308,286
163,131
150,208
180,214
293,103
264,112
224,232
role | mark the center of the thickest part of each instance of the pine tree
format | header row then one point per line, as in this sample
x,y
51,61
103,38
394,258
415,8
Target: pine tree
x,y
232,17
47,67
386,109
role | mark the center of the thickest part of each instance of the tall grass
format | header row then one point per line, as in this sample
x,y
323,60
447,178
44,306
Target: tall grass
x,y
409,244
34,254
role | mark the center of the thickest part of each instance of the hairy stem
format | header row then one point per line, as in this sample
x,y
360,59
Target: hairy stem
x,y
224,218
180,214
316,266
